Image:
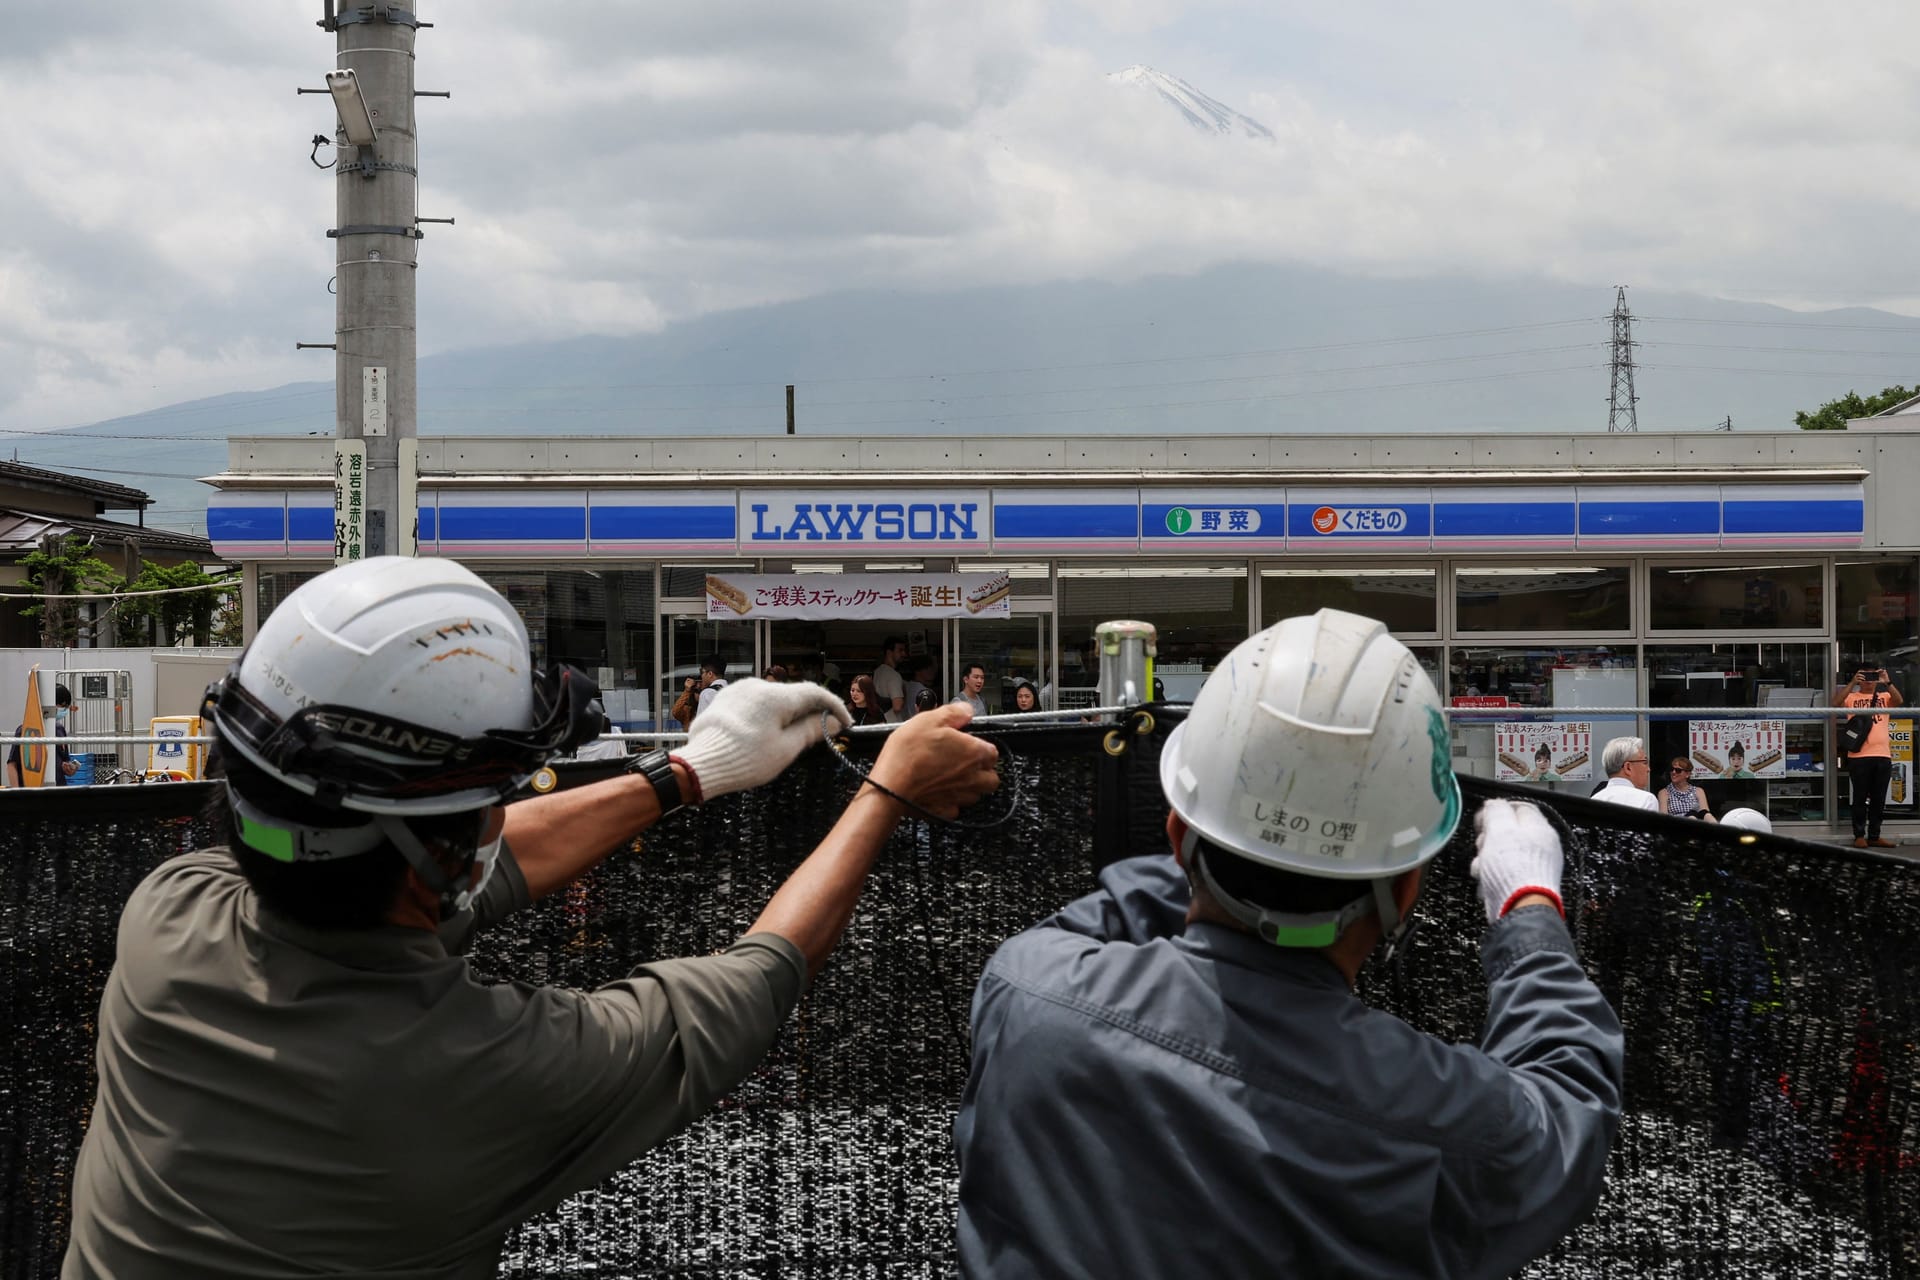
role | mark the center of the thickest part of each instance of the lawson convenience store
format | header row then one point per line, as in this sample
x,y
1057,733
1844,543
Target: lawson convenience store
x,y
1549,571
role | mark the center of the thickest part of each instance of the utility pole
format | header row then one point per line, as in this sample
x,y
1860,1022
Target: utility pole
x,y
376,237
1621,413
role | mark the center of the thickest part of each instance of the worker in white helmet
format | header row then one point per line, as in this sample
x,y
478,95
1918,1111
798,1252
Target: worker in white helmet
x,y
300,1076
1173,1075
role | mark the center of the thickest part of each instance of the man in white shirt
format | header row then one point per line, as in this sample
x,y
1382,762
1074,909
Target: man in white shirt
x,y
1625,760
887,681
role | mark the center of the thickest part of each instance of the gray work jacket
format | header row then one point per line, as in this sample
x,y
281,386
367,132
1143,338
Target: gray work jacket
x,y
1155,1099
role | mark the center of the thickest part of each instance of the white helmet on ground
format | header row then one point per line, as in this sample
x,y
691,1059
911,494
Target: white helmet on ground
x,y
1316,747
392,687
1748,819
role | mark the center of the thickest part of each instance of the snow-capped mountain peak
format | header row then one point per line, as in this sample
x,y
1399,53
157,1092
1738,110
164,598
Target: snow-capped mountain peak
x,y
1202,112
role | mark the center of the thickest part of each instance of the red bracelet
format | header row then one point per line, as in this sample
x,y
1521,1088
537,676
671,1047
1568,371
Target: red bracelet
x,y
1518,894
693,779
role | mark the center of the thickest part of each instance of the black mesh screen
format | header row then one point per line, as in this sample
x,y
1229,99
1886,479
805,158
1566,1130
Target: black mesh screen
x,y
1767,989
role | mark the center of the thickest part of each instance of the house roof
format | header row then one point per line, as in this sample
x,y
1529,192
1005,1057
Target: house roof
x,y
21,532
1910,405
113,495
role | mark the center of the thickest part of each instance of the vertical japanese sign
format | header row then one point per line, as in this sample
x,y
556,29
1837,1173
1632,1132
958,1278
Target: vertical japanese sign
x,y
1736,749
1543,751
349,501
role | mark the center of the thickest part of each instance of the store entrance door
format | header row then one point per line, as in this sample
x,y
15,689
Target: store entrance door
x,y
833,653
1011,649
690,640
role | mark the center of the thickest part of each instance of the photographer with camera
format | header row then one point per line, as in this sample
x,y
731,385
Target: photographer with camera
x,y
1870,764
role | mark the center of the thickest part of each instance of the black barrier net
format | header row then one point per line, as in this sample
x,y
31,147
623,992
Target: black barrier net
x,y
1767,988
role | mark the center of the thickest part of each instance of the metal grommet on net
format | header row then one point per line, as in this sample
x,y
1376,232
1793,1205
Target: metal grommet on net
x,y
1114,743
544,779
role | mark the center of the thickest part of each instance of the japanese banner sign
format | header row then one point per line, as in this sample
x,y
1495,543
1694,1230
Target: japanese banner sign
x,y
1736,749
825,597
1543,751
349,501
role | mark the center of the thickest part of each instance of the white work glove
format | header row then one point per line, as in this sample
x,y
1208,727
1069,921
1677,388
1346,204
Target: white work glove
x,y
1519,853
753,730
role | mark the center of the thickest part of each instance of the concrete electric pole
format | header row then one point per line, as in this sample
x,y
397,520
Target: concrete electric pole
x,y
376,251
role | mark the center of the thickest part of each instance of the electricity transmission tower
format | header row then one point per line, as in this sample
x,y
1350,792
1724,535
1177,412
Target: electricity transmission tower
x,y
1621,413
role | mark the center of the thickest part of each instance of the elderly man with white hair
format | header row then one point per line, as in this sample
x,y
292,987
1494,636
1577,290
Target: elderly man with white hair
x,y
1625,760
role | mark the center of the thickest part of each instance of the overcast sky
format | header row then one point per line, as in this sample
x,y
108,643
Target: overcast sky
x,y
164,233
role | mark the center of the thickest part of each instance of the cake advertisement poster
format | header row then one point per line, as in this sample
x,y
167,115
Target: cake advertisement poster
x,y
1543,750
1737,748
829,597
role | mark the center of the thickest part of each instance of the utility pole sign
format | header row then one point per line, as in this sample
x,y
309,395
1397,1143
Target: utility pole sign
x,y
349,501
373,400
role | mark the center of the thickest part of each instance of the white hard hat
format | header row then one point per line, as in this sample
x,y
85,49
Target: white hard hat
x,y
397,685
1750,819
1317,747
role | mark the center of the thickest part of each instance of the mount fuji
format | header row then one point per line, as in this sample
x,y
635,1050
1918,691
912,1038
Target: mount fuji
x,y
1205,114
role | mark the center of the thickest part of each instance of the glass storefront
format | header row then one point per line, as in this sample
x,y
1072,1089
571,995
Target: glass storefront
x,y
1761,636
1407,600
1200,612
1571,598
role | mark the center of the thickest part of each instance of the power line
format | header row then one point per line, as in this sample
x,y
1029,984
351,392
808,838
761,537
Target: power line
x,y
1782,324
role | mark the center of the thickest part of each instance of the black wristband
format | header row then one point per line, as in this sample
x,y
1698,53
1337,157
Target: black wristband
x,y
657,767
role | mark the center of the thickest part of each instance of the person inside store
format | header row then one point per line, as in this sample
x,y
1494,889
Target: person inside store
x,y
299,1073
775,674
888,680
64,765
688,703
1680,798
1870,768
713,678
1624,760
973,681
1173,1076
1025,698
919,678
864,702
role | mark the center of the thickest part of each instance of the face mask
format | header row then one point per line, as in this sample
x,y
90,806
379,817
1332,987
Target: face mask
x,y
60,715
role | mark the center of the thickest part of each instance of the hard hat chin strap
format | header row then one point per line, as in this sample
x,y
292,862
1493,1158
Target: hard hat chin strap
x,y
455,893
1282,929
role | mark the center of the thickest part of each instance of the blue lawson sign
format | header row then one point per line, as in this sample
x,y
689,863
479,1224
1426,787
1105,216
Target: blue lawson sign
x,y
863,518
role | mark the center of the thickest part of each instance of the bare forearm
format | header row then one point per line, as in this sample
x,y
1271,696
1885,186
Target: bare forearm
x,y
812,908
555,838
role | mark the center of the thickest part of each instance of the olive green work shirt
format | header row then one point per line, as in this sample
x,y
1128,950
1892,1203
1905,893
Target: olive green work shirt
x,y
278,1101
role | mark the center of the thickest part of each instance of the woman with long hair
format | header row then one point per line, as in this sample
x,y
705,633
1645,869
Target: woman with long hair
x,y
863,702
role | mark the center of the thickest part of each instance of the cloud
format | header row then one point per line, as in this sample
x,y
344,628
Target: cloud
x,y
623,166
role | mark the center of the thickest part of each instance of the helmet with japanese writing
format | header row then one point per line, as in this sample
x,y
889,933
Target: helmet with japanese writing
x,y
387,689
1316,747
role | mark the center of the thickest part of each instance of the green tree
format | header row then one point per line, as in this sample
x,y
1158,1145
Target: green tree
x,y
66,566
1833,415
182,611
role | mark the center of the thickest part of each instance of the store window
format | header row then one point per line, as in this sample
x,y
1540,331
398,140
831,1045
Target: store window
x,y
1570,598
600,620
1490,688
1875,618
1199,611
275,585
1768,759
1757,597
1407,600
